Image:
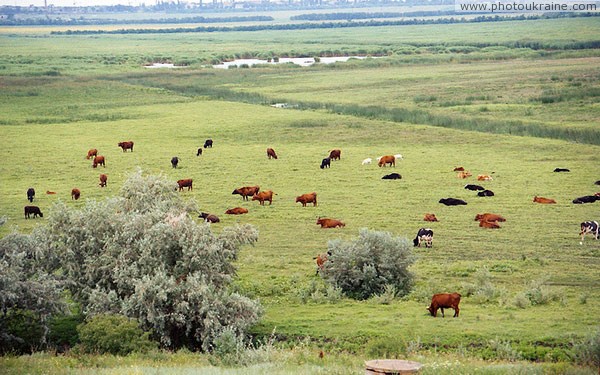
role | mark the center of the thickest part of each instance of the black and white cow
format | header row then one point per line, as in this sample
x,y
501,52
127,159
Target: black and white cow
x,y
590,227
486,193
424,234
326,163
30,194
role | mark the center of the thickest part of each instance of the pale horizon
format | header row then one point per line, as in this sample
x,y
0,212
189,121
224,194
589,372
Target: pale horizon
x,y
79,3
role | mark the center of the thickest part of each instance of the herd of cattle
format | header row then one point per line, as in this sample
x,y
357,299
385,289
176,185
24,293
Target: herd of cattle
x,y
424,235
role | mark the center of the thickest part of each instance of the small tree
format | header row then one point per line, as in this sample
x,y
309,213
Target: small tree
x,y
365,266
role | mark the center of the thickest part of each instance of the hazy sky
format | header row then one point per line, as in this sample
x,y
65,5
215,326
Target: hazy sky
x,y
75,2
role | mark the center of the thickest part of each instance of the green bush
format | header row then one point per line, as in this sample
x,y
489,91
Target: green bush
x,y
113,334
587,351
63,331
22,332
367,265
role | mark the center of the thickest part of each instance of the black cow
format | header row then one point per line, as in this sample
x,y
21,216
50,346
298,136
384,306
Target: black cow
x,y
561,170
424,234
199,151
174,161
208,143
586,199
597,182
486,193
590,227
474,187
30,194
452,201
33,210
326,163
391,176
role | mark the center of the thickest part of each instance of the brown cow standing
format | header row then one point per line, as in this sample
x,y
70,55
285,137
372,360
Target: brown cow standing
x,y
246,191
335,154
91,153
271,153
75,193
185,183
98,160
263,196
33,210
330,223
126,145
103,180
444,301
236,211
387,159
489,217
430,217
307,198
543,200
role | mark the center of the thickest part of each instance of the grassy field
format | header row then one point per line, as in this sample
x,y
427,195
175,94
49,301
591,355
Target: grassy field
x,y
529,286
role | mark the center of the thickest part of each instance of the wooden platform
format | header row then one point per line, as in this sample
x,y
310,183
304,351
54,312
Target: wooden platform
x,y
392,366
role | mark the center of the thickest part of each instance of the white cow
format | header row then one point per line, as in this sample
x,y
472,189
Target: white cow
x,y
367,161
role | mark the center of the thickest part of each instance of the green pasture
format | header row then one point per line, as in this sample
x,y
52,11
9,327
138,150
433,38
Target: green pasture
x,y
99,95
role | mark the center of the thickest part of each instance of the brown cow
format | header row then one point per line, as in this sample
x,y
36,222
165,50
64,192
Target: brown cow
x,y
307,198
489,217
329,223
50,192
98,160
91,153
430,217
543,200
320,260
247,191
263,196
209,218
33,210
103,180
444,301
75,193
126,145
459,169
188,182
335,154
463,174
484,177
387,159
271,153
489,224
236,211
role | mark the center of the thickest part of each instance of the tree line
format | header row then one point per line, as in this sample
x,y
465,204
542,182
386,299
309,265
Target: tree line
x,y
95,21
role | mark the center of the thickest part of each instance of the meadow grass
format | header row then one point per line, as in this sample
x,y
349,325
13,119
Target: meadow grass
x,y
49,122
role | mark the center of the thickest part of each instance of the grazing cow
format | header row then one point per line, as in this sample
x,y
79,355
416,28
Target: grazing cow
x,y
33,210
174,161
307,198
489,217
326,163
199,151
452,201
91,153
30,194
459,169
430,217
126,145
586,199
424,235
597,182
50,192
367,161
335,154
103,180
484,177
387,159
75,193
236,211
98,160
489,224
188,182
590,227
391,176
561,170
463,174
246,191
208,143
320,260
209,218
474,187
485,193
444,301
266,195
271,153
329,223
543,200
